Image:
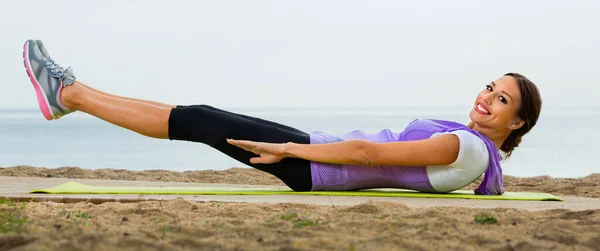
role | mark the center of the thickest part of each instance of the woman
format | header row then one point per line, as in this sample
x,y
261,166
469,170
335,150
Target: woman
x,y
428,155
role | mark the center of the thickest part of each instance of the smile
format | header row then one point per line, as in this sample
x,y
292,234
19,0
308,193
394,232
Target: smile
x,y
481,110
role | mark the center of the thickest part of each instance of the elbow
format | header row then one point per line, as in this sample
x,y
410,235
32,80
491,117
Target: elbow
x,y
365,153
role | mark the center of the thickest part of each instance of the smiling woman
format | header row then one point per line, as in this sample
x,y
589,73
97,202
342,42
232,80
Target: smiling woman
x,y
513,102
429,155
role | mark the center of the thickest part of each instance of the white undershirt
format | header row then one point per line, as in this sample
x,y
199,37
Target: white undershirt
x,y
472,161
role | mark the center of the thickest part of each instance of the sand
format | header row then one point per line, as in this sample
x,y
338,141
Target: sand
x,y
185,225
588,186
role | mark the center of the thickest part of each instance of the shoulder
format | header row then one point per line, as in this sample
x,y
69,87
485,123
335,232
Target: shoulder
x,y
473,152
471,162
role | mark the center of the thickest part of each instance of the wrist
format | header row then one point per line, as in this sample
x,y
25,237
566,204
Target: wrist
x,y
288,149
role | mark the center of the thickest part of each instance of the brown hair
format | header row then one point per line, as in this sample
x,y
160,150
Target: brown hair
x,y
531,105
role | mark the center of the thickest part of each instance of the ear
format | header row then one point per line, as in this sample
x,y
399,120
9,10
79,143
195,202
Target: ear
x,y
516,124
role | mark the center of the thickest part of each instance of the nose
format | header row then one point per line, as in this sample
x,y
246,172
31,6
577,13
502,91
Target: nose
x,y
487,98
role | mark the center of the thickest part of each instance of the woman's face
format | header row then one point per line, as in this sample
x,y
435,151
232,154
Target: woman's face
x,y
497,104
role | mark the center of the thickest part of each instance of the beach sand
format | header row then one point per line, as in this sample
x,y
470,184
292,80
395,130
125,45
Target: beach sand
x,y
588,186
185,225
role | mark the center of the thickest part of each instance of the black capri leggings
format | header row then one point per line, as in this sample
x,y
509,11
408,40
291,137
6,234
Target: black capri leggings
x,y
212,126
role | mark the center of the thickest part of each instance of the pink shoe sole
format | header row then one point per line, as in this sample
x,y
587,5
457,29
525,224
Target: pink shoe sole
x,y
41,97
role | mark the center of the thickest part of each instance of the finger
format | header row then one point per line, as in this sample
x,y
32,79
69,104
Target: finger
x,y
246,142
242,143
250,150
256,160
235,142
245,147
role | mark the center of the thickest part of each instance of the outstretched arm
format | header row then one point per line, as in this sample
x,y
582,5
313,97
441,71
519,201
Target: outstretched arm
x,y
439,150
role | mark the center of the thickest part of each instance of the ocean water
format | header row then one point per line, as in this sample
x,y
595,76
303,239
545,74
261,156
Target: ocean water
x,y
562,144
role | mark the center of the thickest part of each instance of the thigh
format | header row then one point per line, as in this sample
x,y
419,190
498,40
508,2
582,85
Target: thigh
x,y
212,127
258,120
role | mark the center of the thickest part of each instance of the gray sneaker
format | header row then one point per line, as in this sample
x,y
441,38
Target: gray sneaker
x,y
48,79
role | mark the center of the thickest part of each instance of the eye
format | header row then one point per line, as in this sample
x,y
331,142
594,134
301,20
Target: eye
x,y
502,99
489,88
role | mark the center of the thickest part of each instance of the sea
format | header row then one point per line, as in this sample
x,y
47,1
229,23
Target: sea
x,y
562,144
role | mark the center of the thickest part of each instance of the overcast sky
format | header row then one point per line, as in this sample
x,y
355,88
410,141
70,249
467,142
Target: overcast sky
x,y
307,53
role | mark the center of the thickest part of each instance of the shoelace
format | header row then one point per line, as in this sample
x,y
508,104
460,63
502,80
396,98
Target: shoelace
x,y
55,70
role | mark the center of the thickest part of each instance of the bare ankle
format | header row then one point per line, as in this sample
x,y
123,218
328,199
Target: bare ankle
x,y
69,94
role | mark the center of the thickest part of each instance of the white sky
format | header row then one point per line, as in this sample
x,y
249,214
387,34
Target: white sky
x,y
307,53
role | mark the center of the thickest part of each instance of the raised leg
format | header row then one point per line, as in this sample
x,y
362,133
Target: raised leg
x,y
144,118
127,98
58,94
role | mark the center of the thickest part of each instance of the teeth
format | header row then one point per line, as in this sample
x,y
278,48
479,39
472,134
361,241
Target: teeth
x,y
481,109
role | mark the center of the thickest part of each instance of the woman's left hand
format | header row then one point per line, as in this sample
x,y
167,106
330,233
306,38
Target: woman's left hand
x,y
269,153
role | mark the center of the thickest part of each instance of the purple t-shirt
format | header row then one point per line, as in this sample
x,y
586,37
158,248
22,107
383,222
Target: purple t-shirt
x,y
335,177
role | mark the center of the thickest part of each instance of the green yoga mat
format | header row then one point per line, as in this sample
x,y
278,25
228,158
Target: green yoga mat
x,y
78,188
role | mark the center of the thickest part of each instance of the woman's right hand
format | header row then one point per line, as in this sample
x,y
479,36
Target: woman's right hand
x,y
269,153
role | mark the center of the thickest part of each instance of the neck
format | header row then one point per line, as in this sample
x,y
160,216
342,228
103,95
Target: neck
x,y
495,136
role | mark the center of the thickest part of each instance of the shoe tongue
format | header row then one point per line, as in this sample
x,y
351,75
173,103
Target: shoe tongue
x,y
68,77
